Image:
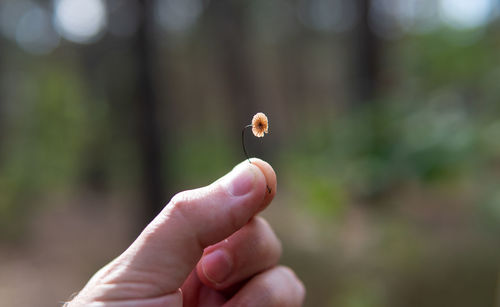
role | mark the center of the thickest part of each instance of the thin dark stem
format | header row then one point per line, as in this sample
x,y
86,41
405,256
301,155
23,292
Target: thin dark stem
x,y
243,141
245,150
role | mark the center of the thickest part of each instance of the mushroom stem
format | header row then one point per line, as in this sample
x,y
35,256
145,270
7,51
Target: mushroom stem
x,y
245,150
243,141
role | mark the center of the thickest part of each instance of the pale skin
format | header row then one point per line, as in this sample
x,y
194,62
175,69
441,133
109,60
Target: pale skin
x,y
207,247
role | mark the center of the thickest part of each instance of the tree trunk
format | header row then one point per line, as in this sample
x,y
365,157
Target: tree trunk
x,y
366,57
148,134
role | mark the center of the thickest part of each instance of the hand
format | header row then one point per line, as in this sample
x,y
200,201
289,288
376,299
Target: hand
x,y
206,248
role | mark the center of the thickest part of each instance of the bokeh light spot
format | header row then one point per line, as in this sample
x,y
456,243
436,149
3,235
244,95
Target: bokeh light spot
x,y
80,21
466,14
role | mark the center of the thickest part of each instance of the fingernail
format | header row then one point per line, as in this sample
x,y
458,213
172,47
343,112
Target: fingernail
x,y
217,266
240,180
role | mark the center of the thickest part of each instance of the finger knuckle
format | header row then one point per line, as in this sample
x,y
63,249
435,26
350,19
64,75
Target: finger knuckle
x,y
180,207
180,204
178,200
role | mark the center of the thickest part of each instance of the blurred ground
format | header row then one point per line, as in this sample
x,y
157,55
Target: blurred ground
x,y
65,246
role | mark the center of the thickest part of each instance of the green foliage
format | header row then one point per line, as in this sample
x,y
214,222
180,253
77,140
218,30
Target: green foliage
x,y
374,149
448,57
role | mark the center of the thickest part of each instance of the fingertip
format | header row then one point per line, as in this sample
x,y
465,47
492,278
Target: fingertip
x,y
245,178
265,168
270,175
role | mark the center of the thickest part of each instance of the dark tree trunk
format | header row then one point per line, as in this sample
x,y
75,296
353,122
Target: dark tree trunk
x,y
366,57
368,52
148,134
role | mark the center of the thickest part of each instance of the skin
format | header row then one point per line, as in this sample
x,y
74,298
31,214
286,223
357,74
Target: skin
x,y
207,247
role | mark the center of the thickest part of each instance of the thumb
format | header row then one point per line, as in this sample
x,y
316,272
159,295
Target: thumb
x,y
171,245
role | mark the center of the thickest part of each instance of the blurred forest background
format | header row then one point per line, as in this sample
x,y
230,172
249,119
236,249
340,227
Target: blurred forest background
x,y
384,133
